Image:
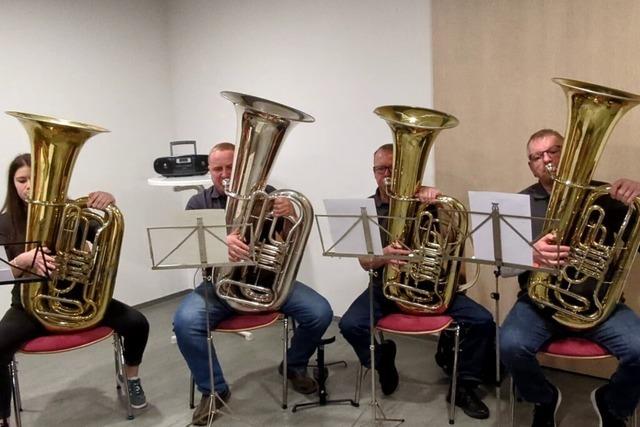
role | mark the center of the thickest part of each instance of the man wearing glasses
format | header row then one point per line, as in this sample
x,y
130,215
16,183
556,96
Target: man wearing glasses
x,y
527,328
476,322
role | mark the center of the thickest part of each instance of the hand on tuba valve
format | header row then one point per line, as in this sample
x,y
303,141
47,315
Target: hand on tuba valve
x,y
548,253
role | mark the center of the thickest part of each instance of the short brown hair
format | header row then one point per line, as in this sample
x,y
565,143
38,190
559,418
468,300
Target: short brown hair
x,y
543,133
222,146
383,147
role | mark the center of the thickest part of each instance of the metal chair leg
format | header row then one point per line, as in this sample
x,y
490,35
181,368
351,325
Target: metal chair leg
x,y
454,375
15,390
122,372
285,346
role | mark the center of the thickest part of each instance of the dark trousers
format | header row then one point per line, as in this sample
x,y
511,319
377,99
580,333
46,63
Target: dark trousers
x,y
476,323
17,327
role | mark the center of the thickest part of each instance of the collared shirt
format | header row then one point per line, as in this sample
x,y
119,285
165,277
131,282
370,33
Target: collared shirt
x,y
211,199
539,200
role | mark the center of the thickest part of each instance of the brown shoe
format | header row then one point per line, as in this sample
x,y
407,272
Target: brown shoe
x,y
301,381
201,414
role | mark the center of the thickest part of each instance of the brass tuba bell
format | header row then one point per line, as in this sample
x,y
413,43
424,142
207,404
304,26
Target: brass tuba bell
x,y
432,232
81,287
602,246
262,128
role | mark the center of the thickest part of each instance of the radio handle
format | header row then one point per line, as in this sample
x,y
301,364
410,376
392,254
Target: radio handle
x,y
173,143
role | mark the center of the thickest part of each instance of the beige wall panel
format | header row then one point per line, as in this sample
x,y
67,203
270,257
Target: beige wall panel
x,y
493,64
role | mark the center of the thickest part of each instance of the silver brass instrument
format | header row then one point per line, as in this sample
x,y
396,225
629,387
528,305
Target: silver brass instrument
x,y
278,241
427,283
602,247
80,289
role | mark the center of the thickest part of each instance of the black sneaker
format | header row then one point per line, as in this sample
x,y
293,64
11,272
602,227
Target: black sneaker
x,y
469,402
136,394
201,413
387,372
544,415
606,418
300,381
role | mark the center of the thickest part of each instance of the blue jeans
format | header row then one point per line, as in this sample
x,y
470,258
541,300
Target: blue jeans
x,y
476,324
526,329
310,311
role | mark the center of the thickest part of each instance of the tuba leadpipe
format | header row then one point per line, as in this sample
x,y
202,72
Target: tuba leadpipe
x,y
602,247
435,233
78,292
278,242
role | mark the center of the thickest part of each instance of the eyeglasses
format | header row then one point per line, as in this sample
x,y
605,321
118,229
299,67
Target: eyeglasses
x,y
551,152
381,170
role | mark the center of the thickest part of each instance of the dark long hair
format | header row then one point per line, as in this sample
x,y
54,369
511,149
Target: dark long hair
x,y
14,206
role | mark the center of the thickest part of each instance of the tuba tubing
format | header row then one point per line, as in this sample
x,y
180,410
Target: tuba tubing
x,y
262,127
587,288
79,291
429,279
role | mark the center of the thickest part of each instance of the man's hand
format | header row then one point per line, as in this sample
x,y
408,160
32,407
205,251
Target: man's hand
x,y
548,253
625,190
427,194
238,250
100,199
283,207
373,262
43,262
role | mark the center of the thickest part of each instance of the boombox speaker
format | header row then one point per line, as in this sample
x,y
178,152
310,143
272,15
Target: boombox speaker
x,y
188,165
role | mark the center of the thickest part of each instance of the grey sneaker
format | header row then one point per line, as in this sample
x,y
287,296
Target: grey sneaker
x,y
136,394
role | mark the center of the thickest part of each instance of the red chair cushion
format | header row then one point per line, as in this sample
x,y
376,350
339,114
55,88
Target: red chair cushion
x,y
64,342
402,323
575,347
245,322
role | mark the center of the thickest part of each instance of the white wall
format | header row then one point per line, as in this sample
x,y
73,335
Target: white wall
x,y
151,71
336,60
106,63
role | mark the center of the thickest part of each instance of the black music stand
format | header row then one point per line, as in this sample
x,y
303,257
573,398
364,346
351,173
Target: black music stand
x,y
499,222
201,244
8,279
365,221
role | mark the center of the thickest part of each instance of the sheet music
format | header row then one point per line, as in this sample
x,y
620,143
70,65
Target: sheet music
x,y
5,270
347,233
515,248
178,245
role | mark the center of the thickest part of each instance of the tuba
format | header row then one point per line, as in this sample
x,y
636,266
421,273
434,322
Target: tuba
x,y
435,233
602,245
278,242
77,293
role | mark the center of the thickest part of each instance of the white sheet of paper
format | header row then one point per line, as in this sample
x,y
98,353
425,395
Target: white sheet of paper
x,y
353,242
515,249
181,238
5,271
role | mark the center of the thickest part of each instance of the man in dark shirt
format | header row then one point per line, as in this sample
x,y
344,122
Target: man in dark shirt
x,y
311,312
476,322
527,328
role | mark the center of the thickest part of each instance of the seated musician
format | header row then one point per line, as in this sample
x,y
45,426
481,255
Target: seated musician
x,y
476,322
17,326
527,327
311,312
